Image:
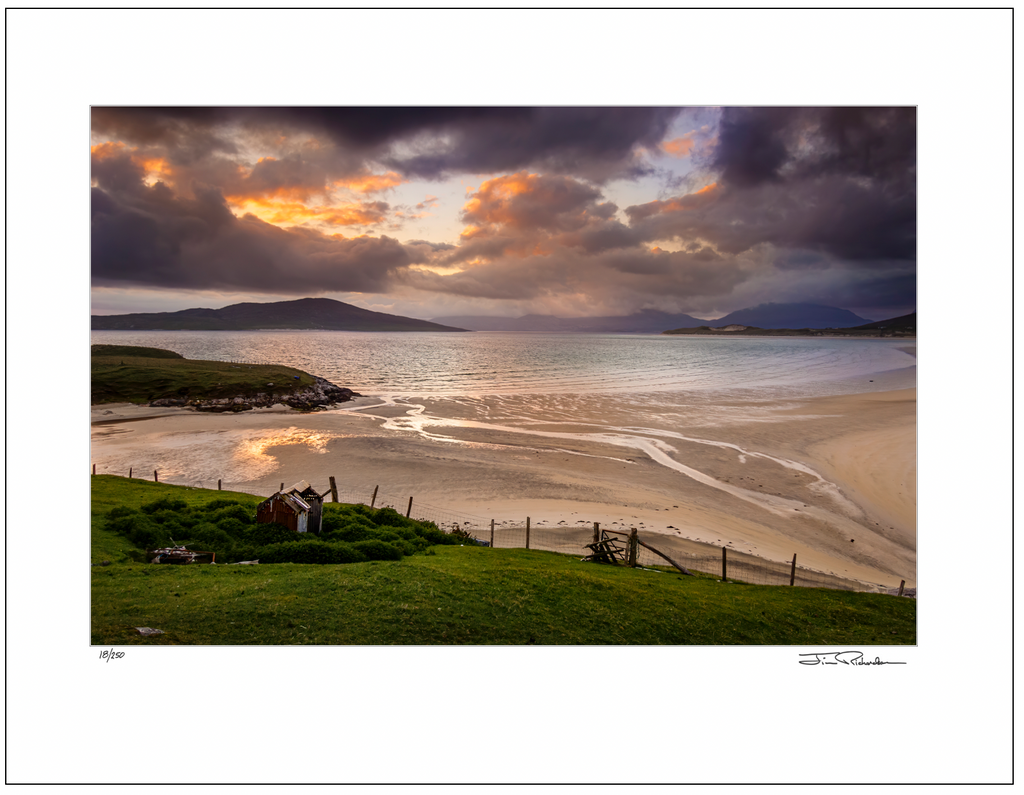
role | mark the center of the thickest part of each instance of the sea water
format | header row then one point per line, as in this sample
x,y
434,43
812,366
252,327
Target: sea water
x,y
446,364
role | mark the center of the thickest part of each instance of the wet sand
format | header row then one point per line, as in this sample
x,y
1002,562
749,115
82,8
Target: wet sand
x,y
832,479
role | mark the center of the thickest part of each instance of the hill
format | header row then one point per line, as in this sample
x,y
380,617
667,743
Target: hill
x,y
905,326
305,313
127,374
902,323
791,316
650,321
736,330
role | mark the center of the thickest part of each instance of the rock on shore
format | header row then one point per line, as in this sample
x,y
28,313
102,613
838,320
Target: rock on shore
x,y
318,396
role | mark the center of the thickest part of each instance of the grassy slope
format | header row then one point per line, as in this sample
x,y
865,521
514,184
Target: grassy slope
x,y
124,378
461,595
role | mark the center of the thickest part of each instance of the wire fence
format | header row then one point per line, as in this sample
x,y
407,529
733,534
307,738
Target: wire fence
x,y
652,551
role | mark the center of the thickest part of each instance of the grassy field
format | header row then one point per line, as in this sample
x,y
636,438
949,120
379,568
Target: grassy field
x,y
454,595
126,374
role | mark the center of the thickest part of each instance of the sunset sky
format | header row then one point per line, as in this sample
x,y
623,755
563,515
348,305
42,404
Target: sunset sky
x,y
571,211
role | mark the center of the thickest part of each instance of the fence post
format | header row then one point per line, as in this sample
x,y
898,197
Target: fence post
x,y
94,469
218,484
632,547
492,534
527,532
373,501
129,473
156,479
334,489
409,509
597,532
792,571
723,564
902,583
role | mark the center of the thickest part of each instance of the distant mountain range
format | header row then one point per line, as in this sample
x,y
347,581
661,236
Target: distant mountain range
x,y
905,326
646,322
305,313
330,315
791,316
767,316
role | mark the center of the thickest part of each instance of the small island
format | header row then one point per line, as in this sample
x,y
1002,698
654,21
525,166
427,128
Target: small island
x,y
158,377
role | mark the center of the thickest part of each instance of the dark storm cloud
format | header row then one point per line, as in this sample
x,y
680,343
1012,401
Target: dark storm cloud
x,y
751,148
843,218
190,133
837,180
150,236
597,143
619,279
887,295
758,145
598,237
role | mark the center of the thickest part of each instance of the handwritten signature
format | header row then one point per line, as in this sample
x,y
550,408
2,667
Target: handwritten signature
x,y
842,658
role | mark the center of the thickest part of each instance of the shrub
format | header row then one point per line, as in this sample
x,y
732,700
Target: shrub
x,y
125,523
348,521
407,547
241,552
261,534
350,533
232,526
389,517
212,537
375,549
435,536
233,510
310,552
172,520
147,534
216,505
166,504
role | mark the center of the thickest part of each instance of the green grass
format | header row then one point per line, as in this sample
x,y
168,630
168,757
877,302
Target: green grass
x,y
126,374
111,491
456,595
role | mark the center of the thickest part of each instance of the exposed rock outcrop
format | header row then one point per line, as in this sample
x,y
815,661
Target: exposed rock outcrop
x,y
320,395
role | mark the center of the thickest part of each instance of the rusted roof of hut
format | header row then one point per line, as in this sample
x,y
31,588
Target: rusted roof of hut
x,y
295,502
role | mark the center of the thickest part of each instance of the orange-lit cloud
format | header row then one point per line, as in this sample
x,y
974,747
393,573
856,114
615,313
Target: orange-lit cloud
x,y
678,147
527,215
691,201
529,201
153,168
109,149
154,165
371,183
294,213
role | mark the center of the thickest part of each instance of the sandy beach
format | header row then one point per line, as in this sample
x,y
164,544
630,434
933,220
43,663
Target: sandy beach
x,y
831,479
